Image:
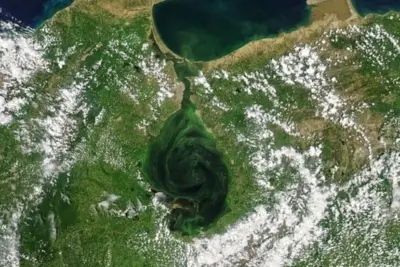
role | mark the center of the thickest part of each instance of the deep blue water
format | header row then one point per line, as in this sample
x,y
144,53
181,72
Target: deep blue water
x,y
31,12
365,7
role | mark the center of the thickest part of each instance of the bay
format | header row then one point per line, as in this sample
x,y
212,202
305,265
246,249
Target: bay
x,y
207,29
31,12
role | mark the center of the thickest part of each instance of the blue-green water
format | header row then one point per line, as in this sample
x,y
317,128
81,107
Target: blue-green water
x,y
208,29
365,7
31,12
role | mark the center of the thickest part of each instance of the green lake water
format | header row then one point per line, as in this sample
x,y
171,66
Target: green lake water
x,y
184,163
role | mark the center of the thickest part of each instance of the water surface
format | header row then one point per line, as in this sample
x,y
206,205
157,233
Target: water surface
x,y
208,29
31,12
365,7
183,162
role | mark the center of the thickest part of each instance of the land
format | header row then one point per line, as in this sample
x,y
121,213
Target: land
x,y
325,14
280,44
308,121
340,8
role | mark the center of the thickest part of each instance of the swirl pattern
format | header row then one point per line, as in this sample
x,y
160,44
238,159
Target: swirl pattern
x,y
183,163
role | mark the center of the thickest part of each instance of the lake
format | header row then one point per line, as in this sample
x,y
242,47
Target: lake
x,y
365,7
31,12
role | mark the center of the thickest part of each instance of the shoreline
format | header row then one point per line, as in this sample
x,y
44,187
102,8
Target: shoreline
x,y
376,12
319,11
353,9
275,45
156,38
323,14
267,45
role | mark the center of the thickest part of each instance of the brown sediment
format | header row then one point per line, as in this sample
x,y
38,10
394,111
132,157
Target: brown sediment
x,y
314,2
178,87
178,92
354,13
340,8
91,50
182,204
372,124
155,36
324,14
279,44
118,8
123,12
312,126
155,39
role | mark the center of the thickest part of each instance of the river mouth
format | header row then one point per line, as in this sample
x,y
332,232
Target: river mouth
x,y
209,29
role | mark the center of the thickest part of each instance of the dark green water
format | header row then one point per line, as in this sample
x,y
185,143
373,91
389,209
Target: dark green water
x,y
183,162
208,29
365,7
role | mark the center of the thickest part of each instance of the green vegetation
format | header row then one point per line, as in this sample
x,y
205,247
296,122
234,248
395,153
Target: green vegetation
x,y
101,202
249,137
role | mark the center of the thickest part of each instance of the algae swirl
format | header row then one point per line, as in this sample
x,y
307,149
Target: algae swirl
x,y
183,163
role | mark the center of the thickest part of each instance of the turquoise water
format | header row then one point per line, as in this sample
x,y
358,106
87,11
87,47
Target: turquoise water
x,y
208,29
365,7
31,12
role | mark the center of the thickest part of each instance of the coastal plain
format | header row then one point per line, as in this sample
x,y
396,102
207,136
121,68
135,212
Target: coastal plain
x,y
307,121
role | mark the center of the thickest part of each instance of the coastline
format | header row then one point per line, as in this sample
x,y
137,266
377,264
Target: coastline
x,y
341,8
367,12
321,12
327,19
353,9
275,45
155,36
325,14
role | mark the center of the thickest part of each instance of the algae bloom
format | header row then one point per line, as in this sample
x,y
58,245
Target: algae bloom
x,y
183,163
